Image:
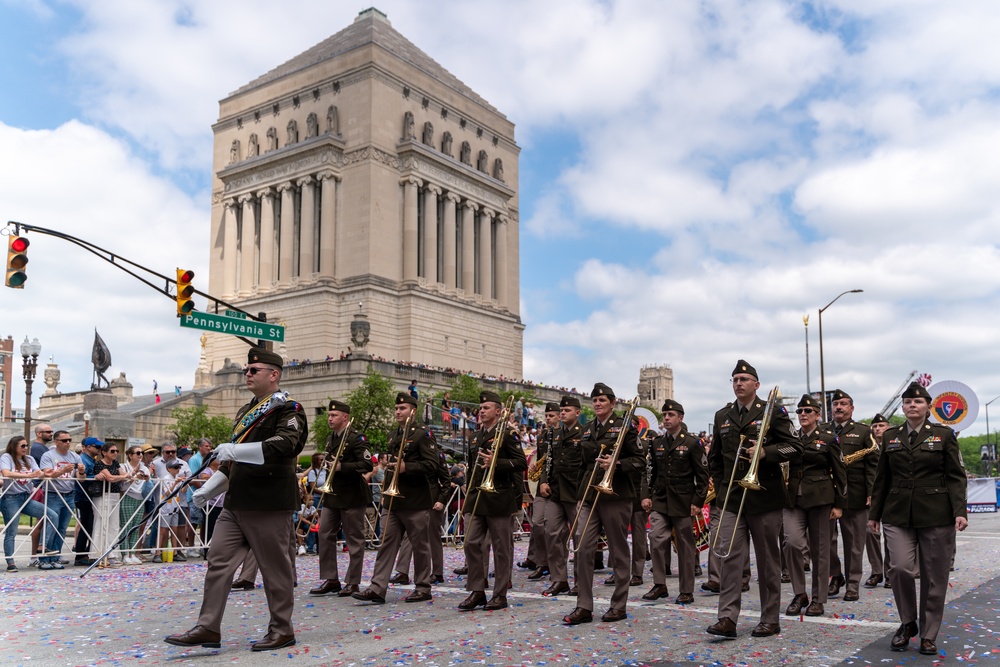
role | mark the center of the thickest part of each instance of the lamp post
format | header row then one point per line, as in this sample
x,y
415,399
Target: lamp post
x,y
86,425
805,321
822,377
992,450
29,354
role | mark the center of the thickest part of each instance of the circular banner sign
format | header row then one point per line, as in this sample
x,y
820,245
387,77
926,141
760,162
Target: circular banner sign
x,y
647,420
953,404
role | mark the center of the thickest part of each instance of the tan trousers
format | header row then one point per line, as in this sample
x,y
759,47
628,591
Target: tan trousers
x,y
873,545
640,543
613,515
434,526
854,526
268,535
808,528
248,571
660,526
538,552
395,525
559,517
936,546
714,562
352,521
501,538
763,529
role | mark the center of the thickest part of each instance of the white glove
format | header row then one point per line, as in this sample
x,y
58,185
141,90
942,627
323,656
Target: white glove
x,y
216,484
244,452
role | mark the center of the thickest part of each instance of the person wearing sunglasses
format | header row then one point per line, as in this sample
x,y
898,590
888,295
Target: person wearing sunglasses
x,y
130,511
64,465
108,470
19,472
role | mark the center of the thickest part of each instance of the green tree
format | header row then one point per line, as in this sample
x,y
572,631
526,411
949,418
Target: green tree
x,y
465,389
372,404
194,423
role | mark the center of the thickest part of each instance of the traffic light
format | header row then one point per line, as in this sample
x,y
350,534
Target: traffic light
x,y
185,292
17,259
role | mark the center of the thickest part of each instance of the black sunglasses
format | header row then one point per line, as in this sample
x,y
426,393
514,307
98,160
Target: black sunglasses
x,y
804,411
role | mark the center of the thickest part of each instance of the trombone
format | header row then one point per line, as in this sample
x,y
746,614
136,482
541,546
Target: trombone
x,y
328,484
392,488
501,426
750,481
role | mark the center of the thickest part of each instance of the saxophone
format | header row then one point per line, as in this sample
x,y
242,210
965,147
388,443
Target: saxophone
x,y
535,472
861,453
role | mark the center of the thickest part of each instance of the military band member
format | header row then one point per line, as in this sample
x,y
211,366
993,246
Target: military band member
x,y
816,494
344,508
602,511
854,437
873,541
257,473
919,497
538,549
560,485
678,484
435,525
761,518
491,512
640,516
415,473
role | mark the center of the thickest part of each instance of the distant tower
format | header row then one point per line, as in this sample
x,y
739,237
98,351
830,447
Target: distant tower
x,y
656,384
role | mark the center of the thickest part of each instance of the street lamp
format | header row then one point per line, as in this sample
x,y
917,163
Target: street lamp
x,y
32,350
86,425
822,377
805,321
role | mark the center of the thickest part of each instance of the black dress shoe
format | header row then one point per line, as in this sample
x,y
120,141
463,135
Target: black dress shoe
x,y
765,630
786,578
697,570
724,628
836,581
272,642
806,567
418,596
927,647
574,591
873,581
710,586
475,599
745,587
656,592
496,602
887,584
348,591
368,595
610,581
797,604
578,616
613,615
556,588
851,596
635,581
527,564
196,636
84,562
461,570
437,578
241,585
327,587
684,598
669,573
814,609
539,573
400,578
901,639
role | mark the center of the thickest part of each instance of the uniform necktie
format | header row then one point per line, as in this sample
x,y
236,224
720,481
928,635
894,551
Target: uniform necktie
x,y
913,438
838,427
743,412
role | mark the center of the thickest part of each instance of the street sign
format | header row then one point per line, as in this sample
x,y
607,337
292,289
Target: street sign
x,y
234,326
237,314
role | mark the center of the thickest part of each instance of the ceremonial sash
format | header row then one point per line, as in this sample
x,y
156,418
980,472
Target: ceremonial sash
x,y
245,423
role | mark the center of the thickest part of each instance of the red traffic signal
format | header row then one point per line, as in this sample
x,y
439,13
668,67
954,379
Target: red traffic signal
x,y
17,259
185,292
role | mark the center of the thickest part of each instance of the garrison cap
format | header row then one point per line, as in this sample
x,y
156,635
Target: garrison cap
x,y
916,390
879,419
601,389
840,394
569,402
671,404
744,367
809,401
490,397
261,356
551,407
339,406
402,397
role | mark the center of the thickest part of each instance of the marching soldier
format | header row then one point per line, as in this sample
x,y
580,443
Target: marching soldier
x,y
415,473
538,551
491,512
559,485
816,487
344,508
854,437
919,496
762,509
678,484
435,522
602,511
873,541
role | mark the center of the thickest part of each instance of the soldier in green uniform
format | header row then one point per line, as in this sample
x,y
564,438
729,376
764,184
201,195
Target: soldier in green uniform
x,y
608,512
344,508
415,472
492,511
873,541
678,484
817,485
257,472
559,485
538,549
919,497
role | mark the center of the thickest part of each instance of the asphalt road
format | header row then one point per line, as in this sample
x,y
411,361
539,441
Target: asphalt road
x,y
120,617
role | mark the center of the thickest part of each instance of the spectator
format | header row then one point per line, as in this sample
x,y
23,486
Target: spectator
x,y
446,412
150,493
43,436
214,507
84,505
131,508
19,469
160,464
108,470
373,527
63,465
413,389
456,418
195,513
170,513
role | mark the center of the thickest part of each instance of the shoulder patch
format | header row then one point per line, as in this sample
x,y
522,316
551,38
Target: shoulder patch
x,y
368,455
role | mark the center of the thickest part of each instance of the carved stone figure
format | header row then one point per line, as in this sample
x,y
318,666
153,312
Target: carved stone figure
x,y
481,163
51,376
428,133
446,144
408,130
272,139
234,151
332,120
293,133
498,170
465,156
253,148
101,358
312,126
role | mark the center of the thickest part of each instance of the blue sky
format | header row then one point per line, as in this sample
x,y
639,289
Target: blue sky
x,y
694,177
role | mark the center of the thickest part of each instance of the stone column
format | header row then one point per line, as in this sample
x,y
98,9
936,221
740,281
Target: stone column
x,y
286,242
327,223
410,186
229,247
307,228
431,233
248,233
266,238
468,251
501,271
449,264
486,254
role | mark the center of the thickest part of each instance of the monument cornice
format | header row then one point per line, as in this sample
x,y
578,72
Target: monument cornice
x,y
284,164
